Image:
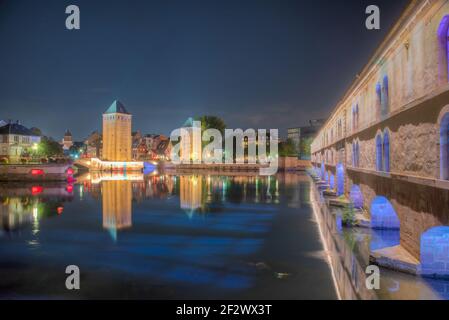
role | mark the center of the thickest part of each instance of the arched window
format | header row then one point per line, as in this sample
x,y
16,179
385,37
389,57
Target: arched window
x,y
357,116
386,152
353,154
378,100
444,147
383,215
379,160
353,118
443,51
357,154
385,98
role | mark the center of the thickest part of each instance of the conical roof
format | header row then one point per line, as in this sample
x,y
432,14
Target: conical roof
x,y
117,107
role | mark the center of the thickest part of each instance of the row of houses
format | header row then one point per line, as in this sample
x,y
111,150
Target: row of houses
x,y
145,147
16,141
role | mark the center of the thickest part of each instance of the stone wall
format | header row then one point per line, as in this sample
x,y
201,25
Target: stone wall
x,y
418,207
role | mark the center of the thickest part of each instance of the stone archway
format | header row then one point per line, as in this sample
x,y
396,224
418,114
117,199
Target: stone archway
x,y
383,215
340,179
356,197
435,251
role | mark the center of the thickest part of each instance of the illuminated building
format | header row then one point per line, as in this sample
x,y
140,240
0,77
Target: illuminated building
x,y
191,193
16,142
191,144
117,204
117,145
67,141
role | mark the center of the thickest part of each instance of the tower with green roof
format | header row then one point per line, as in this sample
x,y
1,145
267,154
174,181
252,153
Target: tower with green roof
x,y
117,141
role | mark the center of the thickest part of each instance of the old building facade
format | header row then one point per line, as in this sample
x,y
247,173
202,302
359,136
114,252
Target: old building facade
x,y
386,143
117,139
16,142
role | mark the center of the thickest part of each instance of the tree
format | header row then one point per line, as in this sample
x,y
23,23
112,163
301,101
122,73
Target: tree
x,y
212,122
49,148
287,149
36,131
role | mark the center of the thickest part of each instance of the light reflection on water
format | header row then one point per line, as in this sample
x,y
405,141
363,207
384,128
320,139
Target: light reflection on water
x,y
351,249
164,236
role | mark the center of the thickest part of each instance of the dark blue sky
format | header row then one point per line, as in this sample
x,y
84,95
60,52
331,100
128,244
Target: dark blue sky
x,y
256,63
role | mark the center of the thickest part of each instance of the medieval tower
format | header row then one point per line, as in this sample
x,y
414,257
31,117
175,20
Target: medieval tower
x,y
117,133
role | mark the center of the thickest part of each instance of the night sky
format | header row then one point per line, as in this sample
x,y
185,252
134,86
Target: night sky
x,y
255,63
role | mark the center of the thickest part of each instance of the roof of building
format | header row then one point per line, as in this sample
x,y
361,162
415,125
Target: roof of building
x,y
3,123
117,107
67,133
16,128
188,123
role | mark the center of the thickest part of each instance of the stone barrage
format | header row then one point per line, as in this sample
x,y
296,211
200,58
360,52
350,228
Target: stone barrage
x,y
390,132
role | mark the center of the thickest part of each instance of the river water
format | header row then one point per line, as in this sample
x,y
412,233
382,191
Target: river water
x,y
164,237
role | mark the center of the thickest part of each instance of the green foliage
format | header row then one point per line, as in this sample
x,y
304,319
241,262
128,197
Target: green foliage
x,y
348,217
36,131
212,122
305,148
287,149
48,148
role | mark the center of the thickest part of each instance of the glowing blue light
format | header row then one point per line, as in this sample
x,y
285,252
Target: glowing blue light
x,y
340,179
444,148
148,168
332,182
386,151
383,215
435,251
356,197
379,153
322,170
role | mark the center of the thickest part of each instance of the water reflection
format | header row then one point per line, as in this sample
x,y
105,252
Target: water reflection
x,y
26,204
349,252
117,208
166,236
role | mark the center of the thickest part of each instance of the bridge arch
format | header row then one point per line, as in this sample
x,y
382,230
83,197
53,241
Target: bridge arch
x,y
434,251
340,179
332,181
322,170
383,215
356,197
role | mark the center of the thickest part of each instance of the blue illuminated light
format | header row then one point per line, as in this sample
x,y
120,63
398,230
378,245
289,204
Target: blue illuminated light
x,y
435,251
356,197
379,160
383,215
444,147
332,182
340,179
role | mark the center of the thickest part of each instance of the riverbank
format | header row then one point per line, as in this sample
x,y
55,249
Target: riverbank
x,y
351,249
35,172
